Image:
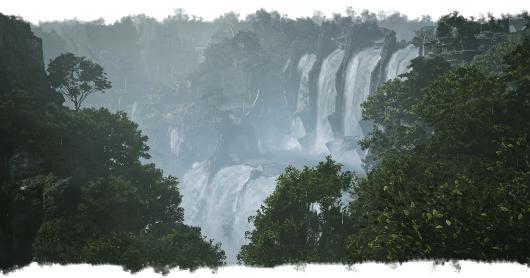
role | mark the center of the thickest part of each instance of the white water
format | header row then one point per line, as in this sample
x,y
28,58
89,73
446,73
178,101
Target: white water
x,y
175,141
134,109
221,202
291,142
400,60
221,207
304,67
357,88
192,187
326,94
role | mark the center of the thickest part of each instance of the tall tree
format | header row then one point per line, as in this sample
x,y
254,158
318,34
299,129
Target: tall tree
x,y
76,78
106,207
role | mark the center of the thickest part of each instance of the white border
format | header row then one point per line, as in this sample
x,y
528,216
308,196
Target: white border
x,y
405,270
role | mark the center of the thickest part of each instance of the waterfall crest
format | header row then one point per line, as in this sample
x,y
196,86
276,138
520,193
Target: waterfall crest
x,y
400,60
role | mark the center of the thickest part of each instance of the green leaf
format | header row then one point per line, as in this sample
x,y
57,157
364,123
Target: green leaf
x,y
429,216
503,208
448,222
436,213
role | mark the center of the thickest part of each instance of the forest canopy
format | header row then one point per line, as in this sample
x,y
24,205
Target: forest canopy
x,y
73,189
448,176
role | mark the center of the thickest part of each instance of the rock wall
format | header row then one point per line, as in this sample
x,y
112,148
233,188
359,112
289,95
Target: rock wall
x,y
21,60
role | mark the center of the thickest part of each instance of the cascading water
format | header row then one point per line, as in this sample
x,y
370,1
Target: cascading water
x,y
193,186
304,67
134,109
297,131
221,207
357,88
326,94
175,141
400,60
220,200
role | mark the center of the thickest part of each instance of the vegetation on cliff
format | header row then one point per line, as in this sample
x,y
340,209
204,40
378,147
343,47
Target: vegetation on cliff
x,y
447,173
73,189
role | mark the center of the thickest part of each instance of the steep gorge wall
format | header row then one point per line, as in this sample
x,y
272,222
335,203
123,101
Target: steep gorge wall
x,y
21,75
21,60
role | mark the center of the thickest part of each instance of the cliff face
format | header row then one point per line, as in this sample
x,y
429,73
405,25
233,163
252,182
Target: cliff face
x,y
21,74
21,61
21,69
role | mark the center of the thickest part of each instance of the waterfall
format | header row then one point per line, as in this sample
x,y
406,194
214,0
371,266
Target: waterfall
x,y
304,67
297,128
193,186
175,141
400,60
221,207
291,142
357,88
286,65
326,94
133,111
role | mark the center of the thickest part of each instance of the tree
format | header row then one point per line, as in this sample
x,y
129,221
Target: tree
x,y
24,118
107,207
491,62
391,107
72,187
461,190
76,78
303,219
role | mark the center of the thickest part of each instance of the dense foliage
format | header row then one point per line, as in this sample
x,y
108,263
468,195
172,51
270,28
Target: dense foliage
x,y
447,173
76,78
303,220
73,190
109,197
455,184
392,108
